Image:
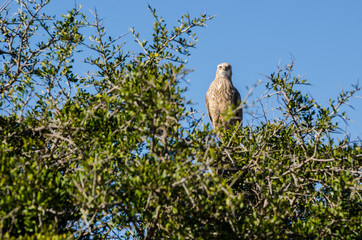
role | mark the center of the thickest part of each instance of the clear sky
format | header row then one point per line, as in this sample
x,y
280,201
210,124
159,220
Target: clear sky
x,y
324,37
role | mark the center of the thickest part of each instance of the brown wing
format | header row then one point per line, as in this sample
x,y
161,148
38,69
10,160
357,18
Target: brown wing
x,y
208,108
237,102
212,104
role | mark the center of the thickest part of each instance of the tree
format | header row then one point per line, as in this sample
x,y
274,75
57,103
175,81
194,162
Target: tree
x,y
297,179
118,153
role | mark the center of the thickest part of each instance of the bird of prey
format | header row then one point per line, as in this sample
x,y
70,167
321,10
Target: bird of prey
x,y
221,96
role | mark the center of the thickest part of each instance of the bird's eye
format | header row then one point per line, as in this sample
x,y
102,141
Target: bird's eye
x,y
220,66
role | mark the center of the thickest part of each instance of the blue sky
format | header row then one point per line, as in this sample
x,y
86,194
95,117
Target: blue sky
x,y
324,38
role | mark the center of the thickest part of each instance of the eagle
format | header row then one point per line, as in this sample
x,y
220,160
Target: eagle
x,y
221,96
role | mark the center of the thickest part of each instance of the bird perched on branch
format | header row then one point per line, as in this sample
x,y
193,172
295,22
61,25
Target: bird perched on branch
x,y
221,96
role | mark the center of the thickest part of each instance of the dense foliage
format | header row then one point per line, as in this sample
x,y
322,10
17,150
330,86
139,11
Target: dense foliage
x,y
118,153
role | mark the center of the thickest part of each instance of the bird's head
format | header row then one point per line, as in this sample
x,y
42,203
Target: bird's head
x,y
224,70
